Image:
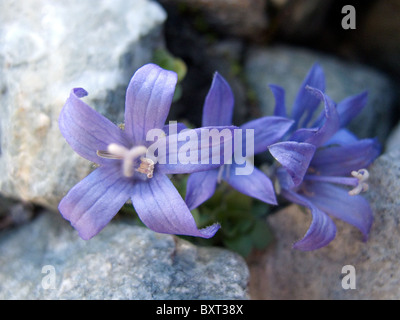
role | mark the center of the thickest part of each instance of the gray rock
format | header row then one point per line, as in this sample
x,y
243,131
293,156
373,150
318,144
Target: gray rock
x,y
284,273
239,18
123,261
14,213
47,48
300,20
393,141
287,67
376,36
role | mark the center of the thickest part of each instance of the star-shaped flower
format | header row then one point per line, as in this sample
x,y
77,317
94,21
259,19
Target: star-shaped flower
x,y
324,190
218,111
318,161
125,171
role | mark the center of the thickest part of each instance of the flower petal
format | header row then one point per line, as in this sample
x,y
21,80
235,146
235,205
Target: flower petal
x,y
161,208
95,200
86,130
336,202
341,160
294,156
351,107
342,137
331,124
256,184
174,128
148,100
306,102
285,181
267,130
302,134
322,229
218,105
200,187
195,152
280,106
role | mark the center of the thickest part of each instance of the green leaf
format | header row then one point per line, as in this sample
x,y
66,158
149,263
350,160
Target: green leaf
x,y
177,94
216,201
241,245
238,201
167,61
261,235
259,209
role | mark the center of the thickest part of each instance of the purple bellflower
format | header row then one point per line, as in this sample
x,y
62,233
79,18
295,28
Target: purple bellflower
x,y
124,171
218,111
319,161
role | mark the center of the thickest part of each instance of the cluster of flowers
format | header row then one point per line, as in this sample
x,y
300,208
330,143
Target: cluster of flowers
x,y
317,158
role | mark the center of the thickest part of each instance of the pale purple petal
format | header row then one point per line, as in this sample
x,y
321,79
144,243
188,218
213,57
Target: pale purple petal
x,y
341,160
161,208
256,184
206,153
174,128
95,200
284,179
336,202
306,103
148,100
200,187
280,106
322,229
350,107
303,134
267,130
218,105
294,156
86,130
331,124
342,137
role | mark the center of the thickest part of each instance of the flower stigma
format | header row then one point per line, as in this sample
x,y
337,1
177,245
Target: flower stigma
x,y
128,156
362,175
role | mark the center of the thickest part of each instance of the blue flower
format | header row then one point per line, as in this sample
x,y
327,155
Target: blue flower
x,y
323,190
125,172
217,111
321,161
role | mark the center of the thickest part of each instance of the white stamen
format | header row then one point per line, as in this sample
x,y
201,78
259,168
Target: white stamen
x,y
277,186
362,175
221,170
132,154
107,155
220,173
146,167
116,151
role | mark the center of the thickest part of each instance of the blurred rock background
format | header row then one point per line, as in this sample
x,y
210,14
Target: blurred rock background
x,y
47,48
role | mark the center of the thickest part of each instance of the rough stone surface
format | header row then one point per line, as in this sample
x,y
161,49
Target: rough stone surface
x,y
122,262
393,141
377,35
13,213
240,18
284,273
287,67
301,19
47,48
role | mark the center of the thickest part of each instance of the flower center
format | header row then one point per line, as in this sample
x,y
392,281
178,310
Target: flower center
x,y
146,167
128,156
